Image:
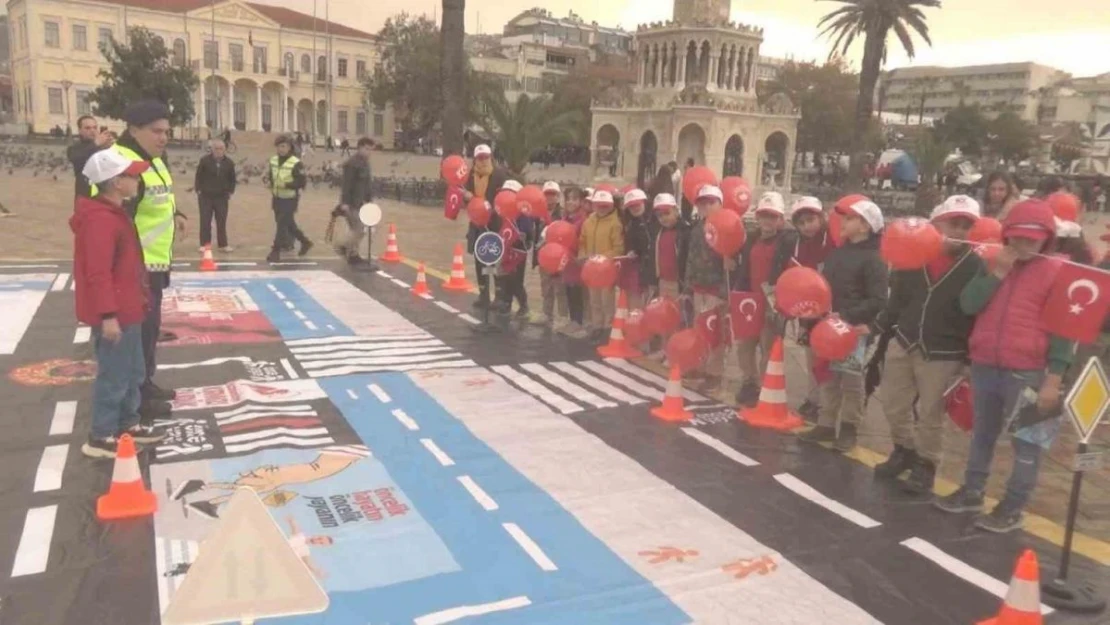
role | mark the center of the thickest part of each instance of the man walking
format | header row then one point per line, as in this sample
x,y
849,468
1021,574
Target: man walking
x,y
356,192
90,140
214,183
286,179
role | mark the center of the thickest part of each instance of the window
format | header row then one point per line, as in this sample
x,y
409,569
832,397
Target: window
x,y
179,52
211,54
287,63
360,123
104,37
342,70
260,60
235,50
306,64
321,68
267,112
360,70
379,124
80,37
83,106
53,37
341,121
54,99
239,110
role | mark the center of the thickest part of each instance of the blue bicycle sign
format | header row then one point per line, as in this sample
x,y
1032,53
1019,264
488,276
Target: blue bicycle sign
x,y
489,248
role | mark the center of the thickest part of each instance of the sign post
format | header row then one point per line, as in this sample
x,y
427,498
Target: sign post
x,y
370,215
489,249
1086,404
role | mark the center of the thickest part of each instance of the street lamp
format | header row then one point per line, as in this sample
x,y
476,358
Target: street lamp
x,y
66,84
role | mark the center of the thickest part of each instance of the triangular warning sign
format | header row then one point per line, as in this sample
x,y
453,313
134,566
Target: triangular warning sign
x,y
246,570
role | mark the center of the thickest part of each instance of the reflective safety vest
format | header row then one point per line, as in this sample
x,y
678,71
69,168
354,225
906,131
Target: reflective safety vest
x,y
154,211
281,177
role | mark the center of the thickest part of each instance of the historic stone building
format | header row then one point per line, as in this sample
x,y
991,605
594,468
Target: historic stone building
x,y
695,98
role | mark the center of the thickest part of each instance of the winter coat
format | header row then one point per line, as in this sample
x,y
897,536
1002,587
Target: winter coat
x,y
705,269
638,238
496,181
858,278
681,244
601,235
109,278
1008,332
214,177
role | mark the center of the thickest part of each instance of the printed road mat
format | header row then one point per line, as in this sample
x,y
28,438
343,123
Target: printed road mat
x,y
427,473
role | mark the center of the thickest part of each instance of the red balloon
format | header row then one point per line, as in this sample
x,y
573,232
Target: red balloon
x,y
626,188
562,232
662,316
506,205
738,195
802,292
634,331
530,201
911,243
834,229
958,404
986,230
833,339
553,257
988,252
687,349
600,272
454,170
694,179
1064,205
478,209
724,232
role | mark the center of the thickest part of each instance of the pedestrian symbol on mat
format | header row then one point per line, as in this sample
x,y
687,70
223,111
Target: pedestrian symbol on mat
x,y
745,567
666,554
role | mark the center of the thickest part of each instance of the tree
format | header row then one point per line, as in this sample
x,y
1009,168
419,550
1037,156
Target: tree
x,y
141,69
409,74
964,127
873,20
1011,137
529,125
453,74
826,96
930,152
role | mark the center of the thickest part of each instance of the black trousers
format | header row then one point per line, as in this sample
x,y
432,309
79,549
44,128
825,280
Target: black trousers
x,y
285,218
152,324
517,285
213,206
576,303
483,281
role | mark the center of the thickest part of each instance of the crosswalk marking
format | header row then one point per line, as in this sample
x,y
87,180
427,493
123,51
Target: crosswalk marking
x,y
536,389
588,378
632,384
551,378
644,374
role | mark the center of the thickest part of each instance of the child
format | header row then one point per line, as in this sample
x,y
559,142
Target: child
x,y
509,282
111,298
574,213
485,180
930,333
601,235
671,246
639,270
705,276
857,276
551,287
1010,354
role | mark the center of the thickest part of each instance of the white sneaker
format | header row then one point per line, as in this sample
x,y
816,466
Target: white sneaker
x,y
539,319
201,249
227,249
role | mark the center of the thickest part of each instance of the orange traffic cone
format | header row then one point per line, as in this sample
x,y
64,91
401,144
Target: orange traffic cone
x,y
617,348
772,412
1022,605
392,252
127,496
421,286
672,408
206,261
458,281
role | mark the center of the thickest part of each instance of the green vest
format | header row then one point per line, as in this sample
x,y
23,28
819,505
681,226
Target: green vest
x,y
154,212
281,177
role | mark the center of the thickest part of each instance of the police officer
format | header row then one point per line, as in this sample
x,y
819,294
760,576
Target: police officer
x,y
286,179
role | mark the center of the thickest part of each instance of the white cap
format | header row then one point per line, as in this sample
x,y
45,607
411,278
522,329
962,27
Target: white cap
x,y
551,187
771,202
664,200
633,196
870,212
602,197
957,206
512,185
589,191
482,150
806,203
1068,229
712,191
107,164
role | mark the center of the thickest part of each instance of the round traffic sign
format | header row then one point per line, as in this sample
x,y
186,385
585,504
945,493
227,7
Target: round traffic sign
x,y
489,248
370,214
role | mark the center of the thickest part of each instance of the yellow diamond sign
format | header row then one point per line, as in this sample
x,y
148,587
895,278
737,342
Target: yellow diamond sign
x,y
1088,399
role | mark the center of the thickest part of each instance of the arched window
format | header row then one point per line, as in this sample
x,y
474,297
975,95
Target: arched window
x,y
306,64
287,63
179,52
322,67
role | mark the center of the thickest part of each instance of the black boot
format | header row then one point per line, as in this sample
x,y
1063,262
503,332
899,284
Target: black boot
x,y
900,461
818,434
274,256
922,477
845,438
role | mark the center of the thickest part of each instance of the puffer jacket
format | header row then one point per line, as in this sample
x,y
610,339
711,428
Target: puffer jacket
x,y
601,235
858,278
705,269
638,238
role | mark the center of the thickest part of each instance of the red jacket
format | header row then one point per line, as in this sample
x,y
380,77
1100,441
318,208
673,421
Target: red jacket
x,y
108,273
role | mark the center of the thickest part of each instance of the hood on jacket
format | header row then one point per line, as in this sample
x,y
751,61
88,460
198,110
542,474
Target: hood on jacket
x,y
1032,212
88,207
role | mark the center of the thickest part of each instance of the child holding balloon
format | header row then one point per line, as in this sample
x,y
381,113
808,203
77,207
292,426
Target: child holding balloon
x,y
602,235
705,276
671,246
551,285
638,270
571,277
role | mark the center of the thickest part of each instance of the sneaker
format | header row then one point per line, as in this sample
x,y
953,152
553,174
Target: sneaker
x,y
809,411
963,500
153,392
273,257
539,319
523,312
1003,519
480,305
748,395
165,337
145,434
846,438
305,246
227,249
287,247
922,477
186,488
354,259
100,447
206,508
900,461
712,385
818,434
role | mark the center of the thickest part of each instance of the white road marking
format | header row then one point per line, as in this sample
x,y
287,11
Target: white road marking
x,y
331,327
439,454
469,319
64,414
294,264
549,377
427,296
400,283
352,394
725,450
288,366
49,474
279,295
299,315
237,264
613,375
28,266
449,308
384,274
536,389
379,393
34,544
405,419
60,282
342,350
310,325
961,569
331,340
465,611
810,493
477,493
289,305
659,381
270,285
591,380
530,547
82,335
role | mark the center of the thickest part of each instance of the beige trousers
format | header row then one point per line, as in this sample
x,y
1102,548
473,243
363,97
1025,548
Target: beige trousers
x,y
906,376
841,399
603,306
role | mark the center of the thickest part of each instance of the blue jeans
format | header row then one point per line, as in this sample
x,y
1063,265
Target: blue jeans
x,y
995,392
120,371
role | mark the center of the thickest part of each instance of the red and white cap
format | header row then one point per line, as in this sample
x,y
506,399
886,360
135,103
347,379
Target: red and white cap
x,y
107,164
551,187
512,185
664,200
957,206
602,197
482,151
866,210
589,191
1068,229
806,204
710,191
635,196
771,202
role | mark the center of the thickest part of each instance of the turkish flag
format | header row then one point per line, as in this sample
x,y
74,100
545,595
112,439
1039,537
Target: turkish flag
x,y
1078,303
453,202
708,325
746,310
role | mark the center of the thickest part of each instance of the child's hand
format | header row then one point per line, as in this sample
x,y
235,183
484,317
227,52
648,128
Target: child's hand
x,y
862,329
1048,398
109,330
1004,261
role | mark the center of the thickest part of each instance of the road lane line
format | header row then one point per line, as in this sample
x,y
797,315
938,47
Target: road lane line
x,y
49,474
405,420
477,493
34,543
64,414
805,490
451,615
439,454
530,547
379,393
722,448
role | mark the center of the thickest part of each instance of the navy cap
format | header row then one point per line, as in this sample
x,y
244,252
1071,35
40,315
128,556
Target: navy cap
x,y
145,112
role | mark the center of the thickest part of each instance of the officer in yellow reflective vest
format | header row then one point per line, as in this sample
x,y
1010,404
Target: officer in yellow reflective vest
x,y
286,179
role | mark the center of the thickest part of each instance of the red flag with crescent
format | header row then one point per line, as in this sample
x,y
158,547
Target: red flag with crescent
x,y
708,325
453,202
746,310
1078,303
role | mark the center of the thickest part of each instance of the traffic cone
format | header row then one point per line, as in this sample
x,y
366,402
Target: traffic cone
x,y
127,497
421,286
617,347
672,408
206,261
772,412
1022,605
392,252
458,281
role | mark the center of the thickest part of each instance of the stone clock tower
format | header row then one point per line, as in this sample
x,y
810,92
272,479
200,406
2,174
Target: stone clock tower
x,y
701,11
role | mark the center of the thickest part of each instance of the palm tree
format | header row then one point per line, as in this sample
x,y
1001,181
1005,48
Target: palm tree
x,y
873,20
452,68
930,151
523,128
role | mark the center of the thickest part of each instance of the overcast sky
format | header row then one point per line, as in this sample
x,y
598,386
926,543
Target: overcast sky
x,y
1073,35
